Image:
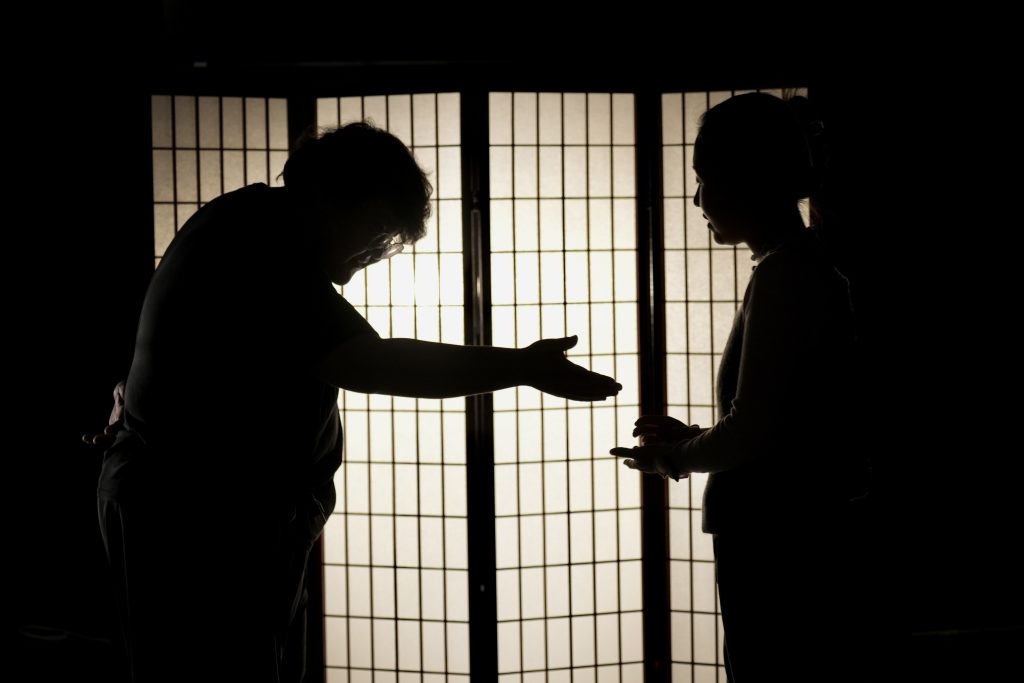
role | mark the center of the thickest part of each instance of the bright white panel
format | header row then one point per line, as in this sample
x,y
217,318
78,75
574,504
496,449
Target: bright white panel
x,y
583,640
630,585
383,540
681,642
508,647
336,637
433,646
457,595
408,598
359,591
607,638
704,643
531,542
581,533
432,593
383,591
409,645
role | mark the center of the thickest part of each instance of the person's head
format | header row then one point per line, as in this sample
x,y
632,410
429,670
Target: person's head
x,y
364,191
753,164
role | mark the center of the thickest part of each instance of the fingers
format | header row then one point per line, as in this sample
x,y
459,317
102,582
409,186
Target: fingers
x,y
631,462
664,428
102,440
581,384
566,343
652,430
598,380
658,421
606,384
583,398
593,392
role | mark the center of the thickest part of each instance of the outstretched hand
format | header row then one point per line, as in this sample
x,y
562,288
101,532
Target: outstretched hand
x,y
105,438
653,459
659,435
553,373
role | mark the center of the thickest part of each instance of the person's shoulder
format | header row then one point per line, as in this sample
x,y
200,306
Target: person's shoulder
x,y
245,206
801,263
257,193
779,264
806,252
802,273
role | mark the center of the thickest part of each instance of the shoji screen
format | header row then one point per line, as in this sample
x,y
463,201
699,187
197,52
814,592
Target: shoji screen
x,y
563,259
396,549
704,284
206,146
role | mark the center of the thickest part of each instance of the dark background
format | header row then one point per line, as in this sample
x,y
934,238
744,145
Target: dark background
x,y
920,201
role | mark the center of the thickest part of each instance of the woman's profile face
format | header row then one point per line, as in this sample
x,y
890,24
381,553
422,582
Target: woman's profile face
x,y
719,201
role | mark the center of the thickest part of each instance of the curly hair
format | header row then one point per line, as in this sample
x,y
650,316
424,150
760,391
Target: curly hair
x,y
359,164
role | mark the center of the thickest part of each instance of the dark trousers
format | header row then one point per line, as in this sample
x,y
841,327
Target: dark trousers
x,y
793,604
205,592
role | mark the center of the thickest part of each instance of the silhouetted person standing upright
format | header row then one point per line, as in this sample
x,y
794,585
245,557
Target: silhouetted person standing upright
x,y
782,457
221,477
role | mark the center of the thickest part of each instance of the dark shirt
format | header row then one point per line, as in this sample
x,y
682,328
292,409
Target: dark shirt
x,y
786,394
222,388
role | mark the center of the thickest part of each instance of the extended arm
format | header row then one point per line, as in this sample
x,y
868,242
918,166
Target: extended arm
x,y
409,367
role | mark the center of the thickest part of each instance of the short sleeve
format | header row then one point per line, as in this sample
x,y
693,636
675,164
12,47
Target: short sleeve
x,y
332,321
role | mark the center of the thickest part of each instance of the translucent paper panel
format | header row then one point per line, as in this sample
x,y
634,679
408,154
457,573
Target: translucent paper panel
x,y
206,146
563,262
396,567
704,285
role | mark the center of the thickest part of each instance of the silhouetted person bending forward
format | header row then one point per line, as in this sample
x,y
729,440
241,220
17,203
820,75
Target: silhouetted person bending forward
x,y
221,477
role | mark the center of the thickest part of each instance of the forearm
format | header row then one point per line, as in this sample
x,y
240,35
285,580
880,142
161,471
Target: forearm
x,y
732,442
409,367
713,450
